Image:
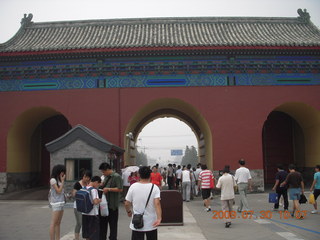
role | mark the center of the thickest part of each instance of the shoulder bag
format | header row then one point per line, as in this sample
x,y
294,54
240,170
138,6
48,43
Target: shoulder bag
x,y
137,219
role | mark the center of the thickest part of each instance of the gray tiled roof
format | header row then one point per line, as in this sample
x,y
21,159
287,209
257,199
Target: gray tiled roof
x,y
164,33
85,134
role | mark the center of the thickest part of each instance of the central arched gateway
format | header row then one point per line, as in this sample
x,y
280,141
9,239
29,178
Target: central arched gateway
x,y
170,107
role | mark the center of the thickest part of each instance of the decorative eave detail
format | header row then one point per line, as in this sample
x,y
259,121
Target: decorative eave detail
x,y
26,20
304,16
85,134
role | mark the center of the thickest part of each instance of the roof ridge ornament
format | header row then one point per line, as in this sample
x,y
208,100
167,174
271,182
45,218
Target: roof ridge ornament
x,y
26,20
303,15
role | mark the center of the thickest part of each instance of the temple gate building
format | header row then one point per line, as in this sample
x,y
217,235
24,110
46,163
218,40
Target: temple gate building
x,y
248,88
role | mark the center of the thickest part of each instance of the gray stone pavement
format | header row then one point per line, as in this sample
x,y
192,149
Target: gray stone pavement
x,y
30,219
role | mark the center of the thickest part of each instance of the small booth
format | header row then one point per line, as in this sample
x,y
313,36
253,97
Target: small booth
x,y
81,148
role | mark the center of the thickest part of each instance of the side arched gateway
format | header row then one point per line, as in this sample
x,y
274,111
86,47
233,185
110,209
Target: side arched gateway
x,y
28,162
291,135
170,107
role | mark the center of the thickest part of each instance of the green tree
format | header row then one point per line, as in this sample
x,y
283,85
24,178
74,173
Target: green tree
x,y
190,156
141,158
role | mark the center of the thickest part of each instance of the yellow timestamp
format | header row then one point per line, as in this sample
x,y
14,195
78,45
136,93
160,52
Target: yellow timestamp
x,y
261,214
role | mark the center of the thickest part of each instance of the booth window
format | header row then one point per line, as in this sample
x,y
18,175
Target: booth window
x,y
75,165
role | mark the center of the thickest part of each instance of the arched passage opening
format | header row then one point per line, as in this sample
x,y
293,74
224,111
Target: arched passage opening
x,y
28,162
291,134
170,107
166,140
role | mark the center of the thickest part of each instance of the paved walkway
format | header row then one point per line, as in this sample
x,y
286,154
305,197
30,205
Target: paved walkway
x,y
263,224
30,219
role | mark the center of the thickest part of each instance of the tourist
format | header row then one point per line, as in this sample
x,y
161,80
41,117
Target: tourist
x,y
170,177
196,173
156,177
227,183
316,187
186,183
84,181
126,184
205,183
91,225
56,199
244,181
296,188
281,191
164,176
194,189
137,199
133,178
112,188
178,177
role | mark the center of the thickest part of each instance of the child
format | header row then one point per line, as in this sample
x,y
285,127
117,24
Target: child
x,y
90,221
84,181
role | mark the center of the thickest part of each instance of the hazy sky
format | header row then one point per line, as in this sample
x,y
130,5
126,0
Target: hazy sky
x,y
164,134
11,11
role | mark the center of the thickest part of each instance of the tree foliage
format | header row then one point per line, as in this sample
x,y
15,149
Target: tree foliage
x,y
190,156
141,158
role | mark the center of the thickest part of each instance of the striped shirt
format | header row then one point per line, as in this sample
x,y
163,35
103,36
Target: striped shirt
x,y
204,177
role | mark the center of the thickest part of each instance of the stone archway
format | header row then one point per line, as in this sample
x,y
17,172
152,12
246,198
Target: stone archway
x,y
295,136
27,161
171,107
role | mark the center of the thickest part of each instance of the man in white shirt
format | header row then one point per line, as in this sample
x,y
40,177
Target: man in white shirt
x,y
186,183
243,178
126,184
226,183
136,199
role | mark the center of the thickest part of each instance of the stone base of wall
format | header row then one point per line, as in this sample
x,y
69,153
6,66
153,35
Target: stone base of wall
x,y
3,182
257,179
21,181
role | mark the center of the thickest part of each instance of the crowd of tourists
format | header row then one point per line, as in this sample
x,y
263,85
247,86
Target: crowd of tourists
x,y
139,188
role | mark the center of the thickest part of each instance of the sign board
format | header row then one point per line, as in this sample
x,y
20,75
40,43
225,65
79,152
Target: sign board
x,y
176,152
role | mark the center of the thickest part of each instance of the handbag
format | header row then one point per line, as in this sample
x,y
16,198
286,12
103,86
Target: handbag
x,y
137,219
311,198
104,210
211,182
273,197
302,199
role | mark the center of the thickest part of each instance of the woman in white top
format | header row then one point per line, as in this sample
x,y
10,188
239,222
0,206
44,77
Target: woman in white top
x,y
56,199
186,183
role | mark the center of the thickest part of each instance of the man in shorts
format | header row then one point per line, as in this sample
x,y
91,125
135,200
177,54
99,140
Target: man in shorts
x,y
205,182
316,186
296,187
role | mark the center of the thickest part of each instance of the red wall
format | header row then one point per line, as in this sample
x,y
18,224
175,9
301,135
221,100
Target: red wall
x,y
235,114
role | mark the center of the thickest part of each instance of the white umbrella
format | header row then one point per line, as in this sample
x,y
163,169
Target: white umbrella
x,y
131,169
